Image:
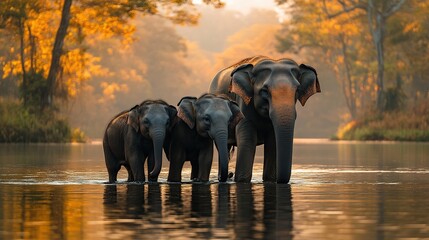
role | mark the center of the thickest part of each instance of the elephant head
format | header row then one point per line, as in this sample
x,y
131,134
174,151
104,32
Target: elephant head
x,y
153,119
213,116
273,87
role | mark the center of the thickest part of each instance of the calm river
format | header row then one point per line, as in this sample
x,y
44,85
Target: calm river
x,y
339,190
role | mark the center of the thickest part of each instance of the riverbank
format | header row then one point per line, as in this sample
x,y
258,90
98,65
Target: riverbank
x,y
20,125
393,126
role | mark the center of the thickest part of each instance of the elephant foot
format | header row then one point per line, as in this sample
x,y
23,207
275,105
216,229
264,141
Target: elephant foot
x,y
228,178
197,180
137,182
173,181
153,180
241,179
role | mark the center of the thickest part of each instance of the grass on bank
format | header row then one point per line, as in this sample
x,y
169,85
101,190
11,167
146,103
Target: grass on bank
x,y
19,125
408,125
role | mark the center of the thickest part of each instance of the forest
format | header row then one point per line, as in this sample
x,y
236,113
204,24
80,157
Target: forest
x,y
68,66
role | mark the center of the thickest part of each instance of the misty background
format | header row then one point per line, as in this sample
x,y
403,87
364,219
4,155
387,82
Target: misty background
x,y
167,61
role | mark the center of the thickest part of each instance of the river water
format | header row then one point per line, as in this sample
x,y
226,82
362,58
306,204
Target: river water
x,y
338,190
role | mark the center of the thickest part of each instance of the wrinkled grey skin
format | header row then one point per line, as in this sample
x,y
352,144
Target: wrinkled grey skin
x,y
135,135
201,122
266,91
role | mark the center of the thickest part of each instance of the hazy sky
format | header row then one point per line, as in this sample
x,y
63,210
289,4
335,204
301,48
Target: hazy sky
x,y
246,5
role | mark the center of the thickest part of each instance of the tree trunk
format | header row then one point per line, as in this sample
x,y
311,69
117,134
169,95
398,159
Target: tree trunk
x,y
351,98
57,52
379,42
22,56
379,18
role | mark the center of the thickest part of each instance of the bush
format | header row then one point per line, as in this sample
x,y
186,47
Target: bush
x,y
17,124
410,125
78,136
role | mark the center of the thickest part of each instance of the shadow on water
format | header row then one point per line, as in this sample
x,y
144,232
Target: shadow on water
x,y
207,210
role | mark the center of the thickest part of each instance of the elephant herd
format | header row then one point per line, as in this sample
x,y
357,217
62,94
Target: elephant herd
x,y
249,103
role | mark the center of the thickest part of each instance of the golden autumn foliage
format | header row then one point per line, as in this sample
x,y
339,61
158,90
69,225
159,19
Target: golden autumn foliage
x,y
50,68
378,53
35,23
343,34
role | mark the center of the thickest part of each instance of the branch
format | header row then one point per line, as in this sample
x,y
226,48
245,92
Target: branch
x,y
346,8
369,11
393,8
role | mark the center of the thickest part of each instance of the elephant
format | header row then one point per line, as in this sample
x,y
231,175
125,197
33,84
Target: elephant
x,y
202,121
266,91
137,134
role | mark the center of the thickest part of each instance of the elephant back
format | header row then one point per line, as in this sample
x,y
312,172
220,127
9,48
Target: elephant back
x,y
251,60
222,80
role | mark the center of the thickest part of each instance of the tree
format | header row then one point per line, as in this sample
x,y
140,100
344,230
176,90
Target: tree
x,y
15,19
336,42
56,54
78,20
410,39
340,29
377,13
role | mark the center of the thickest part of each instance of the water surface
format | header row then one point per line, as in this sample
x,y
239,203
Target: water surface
x,y
338,190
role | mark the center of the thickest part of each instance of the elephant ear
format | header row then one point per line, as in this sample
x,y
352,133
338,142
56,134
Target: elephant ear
x,y
172,114
186,110
172,111
309,83
133,118
241,82
236,117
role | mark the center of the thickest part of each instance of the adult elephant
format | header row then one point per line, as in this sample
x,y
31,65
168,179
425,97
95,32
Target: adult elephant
x,y
201,122
134,135
266,91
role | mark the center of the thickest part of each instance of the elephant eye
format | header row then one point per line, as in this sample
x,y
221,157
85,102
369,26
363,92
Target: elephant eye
x,y
264,93
206,119
146,121
167,123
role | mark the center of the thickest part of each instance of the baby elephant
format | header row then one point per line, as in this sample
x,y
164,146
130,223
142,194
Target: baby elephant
x,y
137,134
201,121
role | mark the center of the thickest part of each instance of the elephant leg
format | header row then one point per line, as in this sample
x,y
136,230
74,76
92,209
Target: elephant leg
x,y
112,164
205,159
246,147
195,166
177,159
130,173
136,161
269,174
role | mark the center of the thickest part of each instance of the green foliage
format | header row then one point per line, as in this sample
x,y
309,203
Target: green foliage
x,y
18,124
367,133
34,91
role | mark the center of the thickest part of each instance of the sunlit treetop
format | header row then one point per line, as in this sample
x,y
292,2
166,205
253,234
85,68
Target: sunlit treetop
x,y
32,27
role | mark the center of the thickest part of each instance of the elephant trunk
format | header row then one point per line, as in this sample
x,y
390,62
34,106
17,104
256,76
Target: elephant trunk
x,y
158,137
221,141
283,118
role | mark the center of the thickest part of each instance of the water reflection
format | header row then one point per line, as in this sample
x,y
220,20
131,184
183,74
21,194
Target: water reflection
x,y
241,211
46,212
339,191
